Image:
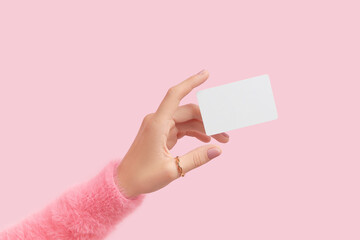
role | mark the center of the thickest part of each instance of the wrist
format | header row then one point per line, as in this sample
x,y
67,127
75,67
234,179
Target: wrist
x,y
123,183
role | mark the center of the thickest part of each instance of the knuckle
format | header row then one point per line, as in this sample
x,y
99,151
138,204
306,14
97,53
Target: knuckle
x,y
195,109
188,88
148,120
172,91
148,117
197,160
193,106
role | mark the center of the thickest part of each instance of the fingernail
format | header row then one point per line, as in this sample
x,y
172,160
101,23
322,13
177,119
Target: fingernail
x,y
201,72
225,134
213,152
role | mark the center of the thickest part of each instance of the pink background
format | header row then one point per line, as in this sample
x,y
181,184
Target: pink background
x,y
77,77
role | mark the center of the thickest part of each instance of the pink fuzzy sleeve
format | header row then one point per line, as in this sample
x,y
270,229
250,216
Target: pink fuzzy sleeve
x,y
88,211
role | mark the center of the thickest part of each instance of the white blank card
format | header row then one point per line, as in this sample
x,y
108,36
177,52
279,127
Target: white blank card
x,y
237,104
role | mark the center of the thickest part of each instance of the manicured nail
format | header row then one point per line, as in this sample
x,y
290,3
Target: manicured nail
x,y
225,134
201,72
213,152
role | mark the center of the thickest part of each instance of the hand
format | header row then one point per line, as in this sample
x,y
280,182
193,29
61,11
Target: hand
x,y
148,164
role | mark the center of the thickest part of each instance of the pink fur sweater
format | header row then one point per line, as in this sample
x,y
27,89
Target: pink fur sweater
x,y
87,211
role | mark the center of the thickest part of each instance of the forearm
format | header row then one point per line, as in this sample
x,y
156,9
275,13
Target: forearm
x,y
87,211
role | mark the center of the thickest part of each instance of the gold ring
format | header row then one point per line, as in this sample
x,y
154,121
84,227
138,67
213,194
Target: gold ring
x,y
180,170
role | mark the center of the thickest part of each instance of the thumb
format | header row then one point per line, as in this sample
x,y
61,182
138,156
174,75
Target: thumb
x,y
199,156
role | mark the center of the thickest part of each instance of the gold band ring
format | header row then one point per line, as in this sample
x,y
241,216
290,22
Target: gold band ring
x,y
180,170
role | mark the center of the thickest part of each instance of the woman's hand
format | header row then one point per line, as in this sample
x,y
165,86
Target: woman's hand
x,y
148,165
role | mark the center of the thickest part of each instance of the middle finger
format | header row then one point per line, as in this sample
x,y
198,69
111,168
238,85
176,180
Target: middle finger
x,y
196,125
187,112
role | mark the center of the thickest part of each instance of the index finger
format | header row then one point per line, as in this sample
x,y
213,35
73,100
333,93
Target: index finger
x,y
174,95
